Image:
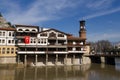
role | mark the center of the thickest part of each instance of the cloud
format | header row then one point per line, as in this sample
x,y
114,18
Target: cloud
x,y
104,36
40,10
99,4
102,13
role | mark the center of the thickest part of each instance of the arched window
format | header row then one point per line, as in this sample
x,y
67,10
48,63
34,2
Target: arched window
x,y
20,30
34,30
27,30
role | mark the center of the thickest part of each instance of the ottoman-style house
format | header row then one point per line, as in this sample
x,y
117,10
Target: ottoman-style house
x,y
37,46
7,42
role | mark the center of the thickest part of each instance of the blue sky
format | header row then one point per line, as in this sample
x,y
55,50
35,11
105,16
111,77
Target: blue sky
x,y
102,16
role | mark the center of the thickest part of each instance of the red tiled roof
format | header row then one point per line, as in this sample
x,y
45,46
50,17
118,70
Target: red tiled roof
x,y
8,29
75,38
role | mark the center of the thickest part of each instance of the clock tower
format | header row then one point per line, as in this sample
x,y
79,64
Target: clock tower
x,y
82,31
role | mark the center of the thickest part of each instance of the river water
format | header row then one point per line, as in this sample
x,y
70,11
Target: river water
x,y
83,72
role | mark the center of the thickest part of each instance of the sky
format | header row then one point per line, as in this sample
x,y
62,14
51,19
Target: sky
x,y
102,16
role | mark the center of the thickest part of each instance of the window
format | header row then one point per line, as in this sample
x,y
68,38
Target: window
x,y
31,41
10,33
43,34
27,30
42,41
52,34
0,41
3,51
13,34
20,30
9,41
33,30
0,33
3,33
38,40
3,41
12,41
34,40
12,50
70,48
8,50
60,35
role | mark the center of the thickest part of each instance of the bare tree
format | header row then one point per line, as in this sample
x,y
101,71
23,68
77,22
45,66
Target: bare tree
x,y
101,46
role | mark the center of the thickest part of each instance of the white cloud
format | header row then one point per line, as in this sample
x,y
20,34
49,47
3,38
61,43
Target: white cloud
x,y
44,10
99,4
102,13
104,36
40,10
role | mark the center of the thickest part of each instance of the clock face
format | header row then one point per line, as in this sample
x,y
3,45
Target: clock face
x,y
81,27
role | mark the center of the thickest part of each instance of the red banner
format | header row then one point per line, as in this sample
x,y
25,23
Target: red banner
x,y
27,39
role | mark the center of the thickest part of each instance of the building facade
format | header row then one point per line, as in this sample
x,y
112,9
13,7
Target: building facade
x,y
7,42
36,46
39,46
7,45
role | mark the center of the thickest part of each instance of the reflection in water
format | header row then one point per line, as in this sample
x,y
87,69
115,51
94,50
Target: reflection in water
x,y
84,72
117,63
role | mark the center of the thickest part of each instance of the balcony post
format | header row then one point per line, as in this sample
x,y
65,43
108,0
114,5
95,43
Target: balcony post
x,y
46,59
65,59
73,59
56,42
56,60
25,59
36,59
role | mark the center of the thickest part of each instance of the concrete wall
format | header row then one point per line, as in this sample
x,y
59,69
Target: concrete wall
x,y
86,60
77,61
68,61
56,59
7,60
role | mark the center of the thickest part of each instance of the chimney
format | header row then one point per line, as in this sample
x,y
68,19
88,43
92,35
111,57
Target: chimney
x,y
82,31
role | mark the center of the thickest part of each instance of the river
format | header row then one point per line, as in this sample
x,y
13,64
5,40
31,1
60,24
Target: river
x,y
83,72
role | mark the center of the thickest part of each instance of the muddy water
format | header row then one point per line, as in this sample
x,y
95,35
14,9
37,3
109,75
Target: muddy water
x,y
84,72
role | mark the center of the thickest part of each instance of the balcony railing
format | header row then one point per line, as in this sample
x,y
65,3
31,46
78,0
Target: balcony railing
x,y
76,51
42,52
74,44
